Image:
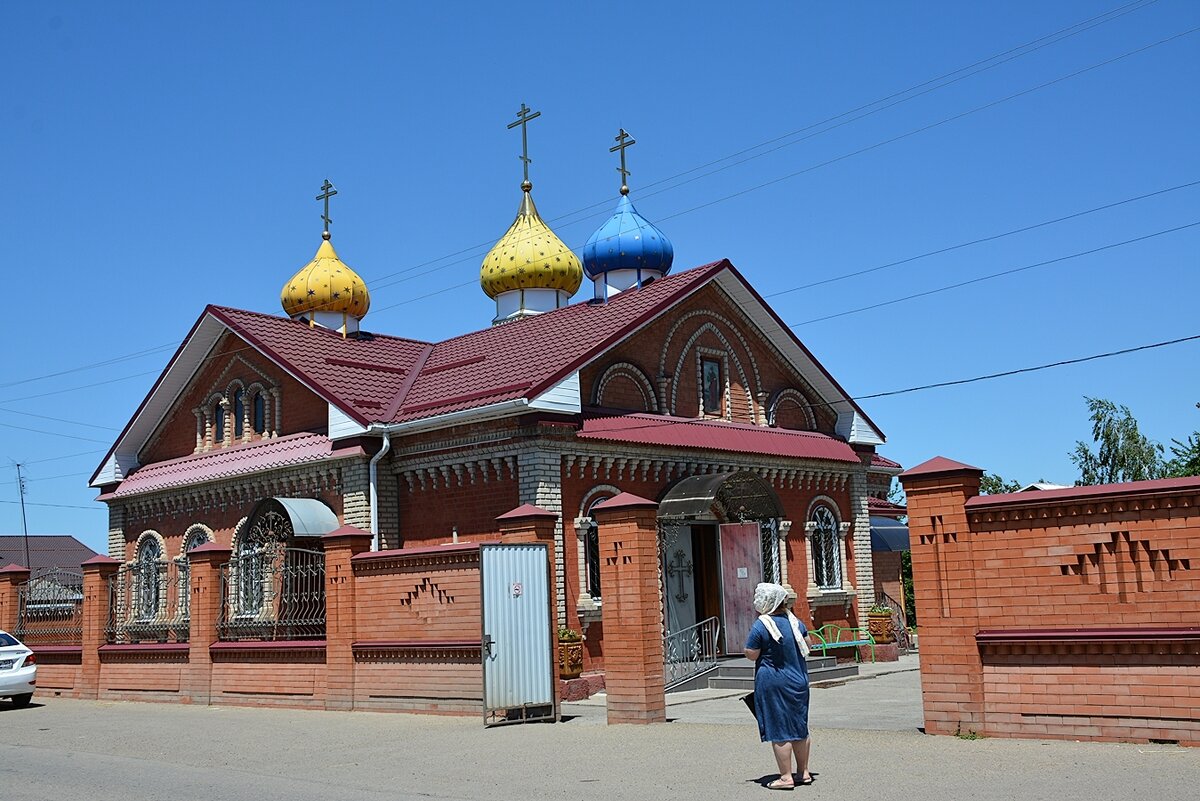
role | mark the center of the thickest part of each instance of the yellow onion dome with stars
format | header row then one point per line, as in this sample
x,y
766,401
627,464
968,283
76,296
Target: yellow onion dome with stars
x,y
326,284
530,256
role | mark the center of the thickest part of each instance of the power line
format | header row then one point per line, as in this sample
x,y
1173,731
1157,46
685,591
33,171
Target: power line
x,y
990,276
980,240
53,433
58,419
1021,370
97,507
64,456
1000,58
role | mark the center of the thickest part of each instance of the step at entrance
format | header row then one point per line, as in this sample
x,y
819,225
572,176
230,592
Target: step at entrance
x,y
737,673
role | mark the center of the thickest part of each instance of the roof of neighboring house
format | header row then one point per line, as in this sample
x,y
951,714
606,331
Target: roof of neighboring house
x,y
46,551
1090,493
683,432
236,460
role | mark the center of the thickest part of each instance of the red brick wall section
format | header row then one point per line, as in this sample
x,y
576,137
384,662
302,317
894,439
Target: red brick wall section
x,y
1047,579
717,326
302,410
633,677
418,649
429,514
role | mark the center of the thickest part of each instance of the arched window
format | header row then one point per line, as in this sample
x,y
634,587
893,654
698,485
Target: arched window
x,y
149,567
591,558
260,413
195,539
239,413
826,549
218,423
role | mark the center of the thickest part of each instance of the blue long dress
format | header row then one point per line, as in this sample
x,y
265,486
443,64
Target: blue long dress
x,y
780,683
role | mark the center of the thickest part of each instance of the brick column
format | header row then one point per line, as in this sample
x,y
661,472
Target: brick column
x,y
529,523
633,629
11,577
947,610
340,613
96,572
204,608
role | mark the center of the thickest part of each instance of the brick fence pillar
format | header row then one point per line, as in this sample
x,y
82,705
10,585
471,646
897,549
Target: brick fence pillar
x,y
529,523
341,613
96,573
633,633
11,578
204,608
944,590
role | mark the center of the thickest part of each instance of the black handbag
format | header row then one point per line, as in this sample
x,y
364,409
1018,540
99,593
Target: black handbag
x,y
748,700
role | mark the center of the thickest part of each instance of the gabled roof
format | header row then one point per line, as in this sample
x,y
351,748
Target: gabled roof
x,y
383,380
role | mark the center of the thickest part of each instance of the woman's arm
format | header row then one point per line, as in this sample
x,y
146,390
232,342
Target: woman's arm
x,y
752,653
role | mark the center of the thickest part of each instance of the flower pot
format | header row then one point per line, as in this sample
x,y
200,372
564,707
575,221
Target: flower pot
x,y
570,659
883,628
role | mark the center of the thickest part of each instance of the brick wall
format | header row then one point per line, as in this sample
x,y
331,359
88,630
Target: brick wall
x,y
1068,613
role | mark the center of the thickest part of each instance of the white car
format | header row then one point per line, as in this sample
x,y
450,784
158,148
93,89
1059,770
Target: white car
x,y
18,670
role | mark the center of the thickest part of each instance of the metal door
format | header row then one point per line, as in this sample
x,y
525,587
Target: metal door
x,y
741,571
518,669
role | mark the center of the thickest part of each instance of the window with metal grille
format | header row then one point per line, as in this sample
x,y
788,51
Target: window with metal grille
x,y
149,561
239,413
826,549
260,413
218,423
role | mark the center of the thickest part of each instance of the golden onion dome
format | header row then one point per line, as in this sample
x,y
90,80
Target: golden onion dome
x,y
529,256
326,284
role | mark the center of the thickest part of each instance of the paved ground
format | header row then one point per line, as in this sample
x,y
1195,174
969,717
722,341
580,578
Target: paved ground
x,y
130,752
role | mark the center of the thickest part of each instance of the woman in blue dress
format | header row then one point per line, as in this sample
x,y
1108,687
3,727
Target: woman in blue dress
x,y
778,648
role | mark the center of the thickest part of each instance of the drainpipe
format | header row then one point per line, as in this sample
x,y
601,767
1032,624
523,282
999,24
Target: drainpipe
x,y
374,480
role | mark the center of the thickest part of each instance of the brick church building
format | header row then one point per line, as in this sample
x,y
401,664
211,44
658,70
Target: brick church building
x,y
685,388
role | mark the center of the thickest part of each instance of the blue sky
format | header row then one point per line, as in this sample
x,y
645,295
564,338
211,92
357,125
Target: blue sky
x,y
161,157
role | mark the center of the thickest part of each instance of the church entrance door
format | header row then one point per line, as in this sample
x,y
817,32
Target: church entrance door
x,y
741,571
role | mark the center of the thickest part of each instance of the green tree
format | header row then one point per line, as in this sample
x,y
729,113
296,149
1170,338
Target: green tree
x,y
1185,459
1123,452
992,484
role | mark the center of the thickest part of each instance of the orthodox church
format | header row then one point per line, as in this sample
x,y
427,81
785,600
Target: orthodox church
x,y
679,386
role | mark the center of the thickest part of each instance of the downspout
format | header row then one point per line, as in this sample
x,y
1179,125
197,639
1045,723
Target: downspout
x,y
374,481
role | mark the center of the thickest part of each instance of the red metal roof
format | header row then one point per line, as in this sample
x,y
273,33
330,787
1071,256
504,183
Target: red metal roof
x,y
883,508
236,460
1091,493
883,461
938,464
660,429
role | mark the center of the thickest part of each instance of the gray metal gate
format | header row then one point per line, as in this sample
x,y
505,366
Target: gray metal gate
x,y
518,668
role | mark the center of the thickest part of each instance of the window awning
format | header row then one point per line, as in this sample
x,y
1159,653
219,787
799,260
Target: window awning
x,y
309,517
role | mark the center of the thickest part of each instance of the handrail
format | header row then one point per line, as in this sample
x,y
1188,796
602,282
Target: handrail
x,y
691,651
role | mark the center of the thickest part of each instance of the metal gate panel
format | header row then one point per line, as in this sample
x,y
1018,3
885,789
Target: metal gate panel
x,y
518,669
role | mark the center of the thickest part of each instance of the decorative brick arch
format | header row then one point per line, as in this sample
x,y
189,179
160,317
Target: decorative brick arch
x,y
795,396
147,535
191,530
586,604
590,496
731,354
662,359
634,374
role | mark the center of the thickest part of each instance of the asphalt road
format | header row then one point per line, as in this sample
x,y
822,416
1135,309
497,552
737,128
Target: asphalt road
x,y
129,752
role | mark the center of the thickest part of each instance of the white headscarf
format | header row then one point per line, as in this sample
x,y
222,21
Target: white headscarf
x,y
767,598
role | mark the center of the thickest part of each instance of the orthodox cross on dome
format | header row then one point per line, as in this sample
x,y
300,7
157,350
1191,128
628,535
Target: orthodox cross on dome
x,y
327,191
623,140
523,118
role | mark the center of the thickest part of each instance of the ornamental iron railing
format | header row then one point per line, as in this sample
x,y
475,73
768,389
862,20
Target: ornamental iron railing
x,y
899,620
273,593
50,608
689,652
148,602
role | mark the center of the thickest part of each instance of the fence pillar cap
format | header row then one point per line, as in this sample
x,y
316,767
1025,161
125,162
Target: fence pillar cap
x,y
100,561
13,568
626,500
346,531
527,511
209,550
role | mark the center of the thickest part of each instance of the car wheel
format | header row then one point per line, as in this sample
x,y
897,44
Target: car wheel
x,y
21,700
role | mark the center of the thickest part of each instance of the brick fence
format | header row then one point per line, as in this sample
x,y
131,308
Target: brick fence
x,y
1071,613
402,632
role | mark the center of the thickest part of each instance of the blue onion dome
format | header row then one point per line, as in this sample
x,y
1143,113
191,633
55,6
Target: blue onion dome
x,y
627,241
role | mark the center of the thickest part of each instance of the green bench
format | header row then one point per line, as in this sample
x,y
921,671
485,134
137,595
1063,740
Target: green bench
x,y
831,636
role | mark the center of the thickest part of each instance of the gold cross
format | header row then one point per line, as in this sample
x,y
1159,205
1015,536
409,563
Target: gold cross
x,y
327,191
523,118
624,140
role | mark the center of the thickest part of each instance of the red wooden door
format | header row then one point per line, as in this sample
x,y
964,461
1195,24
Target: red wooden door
x,y
741,571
